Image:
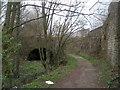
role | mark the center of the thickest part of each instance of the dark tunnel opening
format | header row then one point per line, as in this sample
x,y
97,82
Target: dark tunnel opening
x,y
35,56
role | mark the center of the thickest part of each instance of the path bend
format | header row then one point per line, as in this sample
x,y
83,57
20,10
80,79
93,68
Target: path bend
x,y
84,76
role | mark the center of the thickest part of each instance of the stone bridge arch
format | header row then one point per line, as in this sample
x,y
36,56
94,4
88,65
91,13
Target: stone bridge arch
x,y
29,43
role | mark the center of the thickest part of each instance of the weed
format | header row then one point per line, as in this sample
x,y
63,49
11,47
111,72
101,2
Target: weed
x,y
60,72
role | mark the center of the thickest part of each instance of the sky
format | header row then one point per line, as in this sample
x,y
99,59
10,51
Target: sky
x,y
89,4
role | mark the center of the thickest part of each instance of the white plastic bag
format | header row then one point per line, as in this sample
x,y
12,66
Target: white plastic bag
x,y
49,82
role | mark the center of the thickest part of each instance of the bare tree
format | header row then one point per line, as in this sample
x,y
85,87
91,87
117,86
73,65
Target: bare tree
x,y
11,65
68,22
17,61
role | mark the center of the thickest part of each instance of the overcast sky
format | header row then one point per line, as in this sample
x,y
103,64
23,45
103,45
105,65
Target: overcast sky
x,y
88,5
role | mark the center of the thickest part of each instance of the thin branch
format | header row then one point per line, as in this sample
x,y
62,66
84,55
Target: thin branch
x,y
94,5
26,22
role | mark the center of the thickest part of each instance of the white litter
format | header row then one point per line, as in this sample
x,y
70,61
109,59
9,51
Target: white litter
x,y
15,87
49,82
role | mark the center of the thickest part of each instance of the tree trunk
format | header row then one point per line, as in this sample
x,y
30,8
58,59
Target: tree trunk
x,y
45,27
7,18
17,61
118,41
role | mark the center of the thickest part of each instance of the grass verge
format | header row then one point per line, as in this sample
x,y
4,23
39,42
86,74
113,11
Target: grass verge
x,y
104,68
60,72
28,71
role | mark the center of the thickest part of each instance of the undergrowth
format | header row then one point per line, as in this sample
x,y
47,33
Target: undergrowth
x,y
60,72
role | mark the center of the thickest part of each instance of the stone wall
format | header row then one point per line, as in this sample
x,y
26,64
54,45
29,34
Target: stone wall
x,y
93,44
103,42
28,44
28,36
112,29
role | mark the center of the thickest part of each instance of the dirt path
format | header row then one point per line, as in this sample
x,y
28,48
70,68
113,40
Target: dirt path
x,y
84,76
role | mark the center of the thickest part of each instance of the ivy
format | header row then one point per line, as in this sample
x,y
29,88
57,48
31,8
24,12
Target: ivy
x,y
9,49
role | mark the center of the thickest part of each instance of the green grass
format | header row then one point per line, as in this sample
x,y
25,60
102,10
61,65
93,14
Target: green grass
x,y
103,68
31,68
28,69
60,72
